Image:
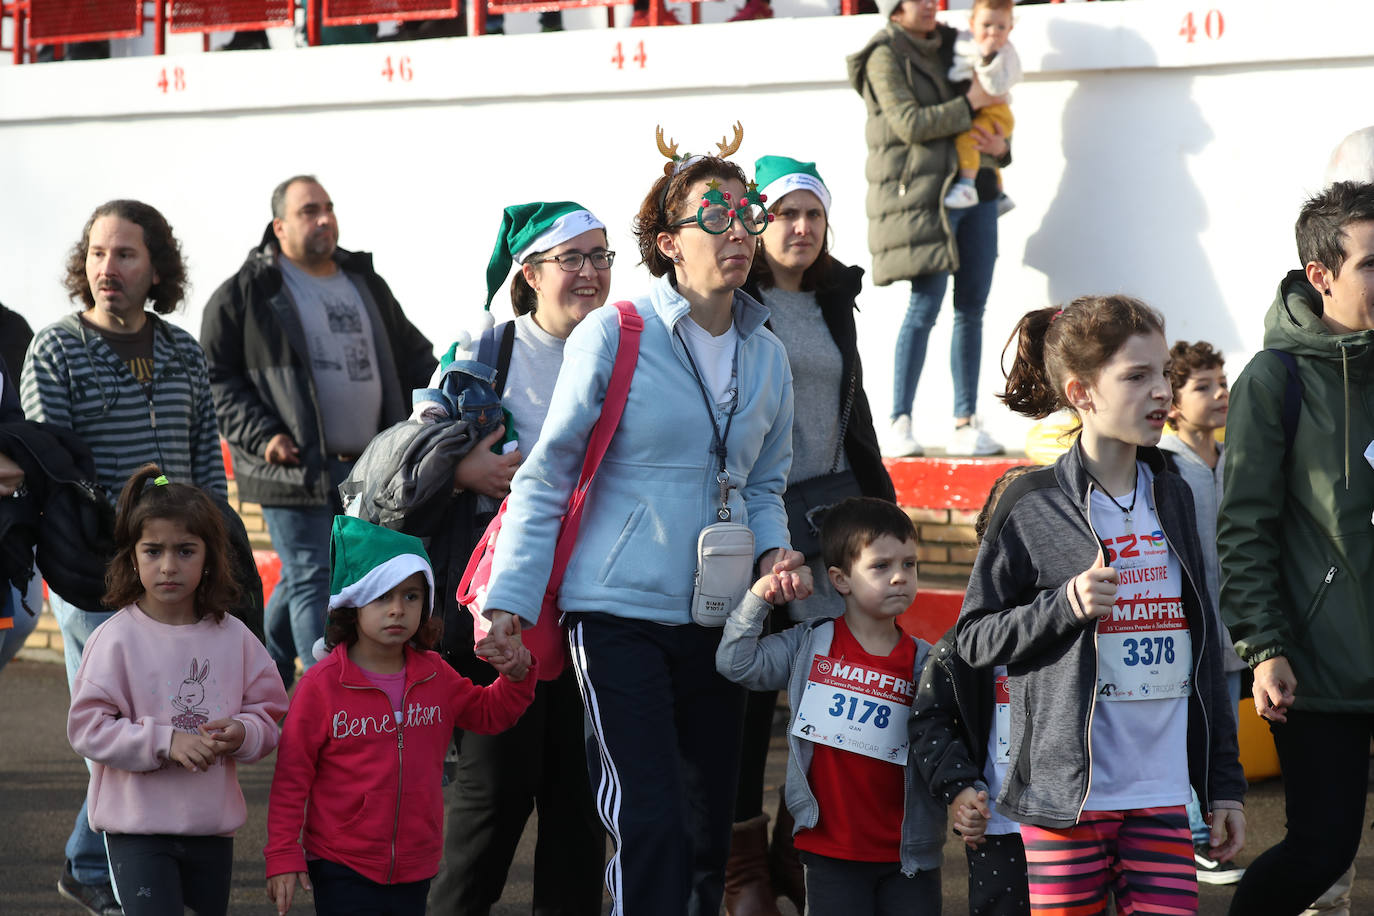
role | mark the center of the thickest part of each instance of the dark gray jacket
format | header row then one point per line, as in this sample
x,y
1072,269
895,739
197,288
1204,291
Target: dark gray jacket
x,y
1016,612
260,372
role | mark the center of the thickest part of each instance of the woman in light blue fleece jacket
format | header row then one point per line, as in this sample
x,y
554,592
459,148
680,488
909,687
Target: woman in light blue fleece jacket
x,y
666,724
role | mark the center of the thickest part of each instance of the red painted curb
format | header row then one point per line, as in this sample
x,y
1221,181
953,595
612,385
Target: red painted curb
x,y
947,483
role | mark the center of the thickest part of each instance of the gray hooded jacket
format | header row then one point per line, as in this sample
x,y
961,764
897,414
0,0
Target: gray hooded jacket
x,y
783,660
1017,612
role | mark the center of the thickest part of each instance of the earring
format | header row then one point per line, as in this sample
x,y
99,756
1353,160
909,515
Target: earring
x,y
677,259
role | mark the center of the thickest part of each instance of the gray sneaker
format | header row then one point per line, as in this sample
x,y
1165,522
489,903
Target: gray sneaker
x,y
97,899
1210,871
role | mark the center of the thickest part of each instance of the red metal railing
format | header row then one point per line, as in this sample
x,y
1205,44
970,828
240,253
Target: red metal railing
x,y
59,22
66,21
230,15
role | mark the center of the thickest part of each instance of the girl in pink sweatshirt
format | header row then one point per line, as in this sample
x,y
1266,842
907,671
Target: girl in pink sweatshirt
x,y
171,695
356,814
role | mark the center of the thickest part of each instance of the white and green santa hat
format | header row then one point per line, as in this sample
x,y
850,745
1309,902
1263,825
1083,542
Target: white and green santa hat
x,y
777,176
366,561
533,227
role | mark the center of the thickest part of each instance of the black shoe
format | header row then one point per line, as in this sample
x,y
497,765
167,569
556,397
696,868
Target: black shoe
x,y
97,899
1210,871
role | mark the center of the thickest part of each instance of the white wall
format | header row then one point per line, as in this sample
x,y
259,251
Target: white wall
x,y
1143,163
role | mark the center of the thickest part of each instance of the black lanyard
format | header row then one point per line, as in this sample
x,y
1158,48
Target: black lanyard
x,y
717,437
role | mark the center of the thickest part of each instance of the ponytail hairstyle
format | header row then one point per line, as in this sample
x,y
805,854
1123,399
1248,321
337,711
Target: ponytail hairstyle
x,y
149,495
523,298
1056,344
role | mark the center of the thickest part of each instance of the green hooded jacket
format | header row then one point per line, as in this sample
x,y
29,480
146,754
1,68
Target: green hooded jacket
x,y
913,117
1294,535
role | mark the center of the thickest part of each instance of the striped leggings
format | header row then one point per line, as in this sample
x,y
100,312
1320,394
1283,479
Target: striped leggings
x,y
1144,856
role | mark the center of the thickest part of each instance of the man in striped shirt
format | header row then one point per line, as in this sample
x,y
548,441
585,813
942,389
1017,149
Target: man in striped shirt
x,y
136,389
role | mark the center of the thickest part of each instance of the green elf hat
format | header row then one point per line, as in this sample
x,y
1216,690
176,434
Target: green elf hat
x,y
367,560
538,226
780,175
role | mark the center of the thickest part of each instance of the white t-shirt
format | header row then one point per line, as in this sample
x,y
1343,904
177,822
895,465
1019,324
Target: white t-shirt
x,y
999,753
535,360
715,359
1139,729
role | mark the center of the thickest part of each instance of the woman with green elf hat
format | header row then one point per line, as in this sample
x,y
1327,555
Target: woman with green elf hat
x,y
810,298
706,436
563,275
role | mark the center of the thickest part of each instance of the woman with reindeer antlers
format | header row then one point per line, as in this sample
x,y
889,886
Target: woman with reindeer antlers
x,y
701,453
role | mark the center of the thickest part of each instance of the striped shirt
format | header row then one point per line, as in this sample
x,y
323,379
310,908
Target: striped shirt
x,y
73,378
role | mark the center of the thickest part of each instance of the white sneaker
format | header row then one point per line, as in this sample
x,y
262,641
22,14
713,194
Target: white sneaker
x,y
900,444
1005,204
961,196
972,440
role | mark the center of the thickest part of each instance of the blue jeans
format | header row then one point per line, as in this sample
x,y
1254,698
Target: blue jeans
x,y
975,233
1202,834
294,616
12,640
85,848
295,612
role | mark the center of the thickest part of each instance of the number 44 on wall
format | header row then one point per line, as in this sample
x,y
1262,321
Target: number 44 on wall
x,y
618,58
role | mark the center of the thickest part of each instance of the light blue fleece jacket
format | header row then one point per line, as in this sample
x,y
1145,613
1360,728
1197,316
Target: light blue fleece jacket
x,y
656,488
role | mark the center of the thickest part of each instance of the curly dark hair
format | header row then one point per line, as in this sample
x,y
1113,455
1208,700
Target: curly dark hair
x,y
663,206
1185,359
164,251
1055,344
140,502
999,486
341,628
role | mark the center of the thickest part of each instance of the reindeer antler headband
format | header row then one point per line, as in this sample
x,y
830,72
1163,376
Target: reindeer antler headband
x,y
677,163
726,147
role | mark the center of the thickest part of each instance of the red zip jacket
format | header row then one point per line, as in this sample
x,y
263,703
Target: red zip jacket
x,y
354,787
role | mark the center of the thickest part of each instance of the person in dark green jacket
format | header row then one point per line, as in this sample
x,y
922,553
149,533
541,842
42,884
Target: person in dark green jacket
x,y
914,115
1296,547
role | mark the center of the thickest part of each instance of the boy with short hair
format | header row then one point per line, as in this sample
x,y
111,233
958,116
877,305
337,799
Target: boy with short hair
x,y
1197,373
869,828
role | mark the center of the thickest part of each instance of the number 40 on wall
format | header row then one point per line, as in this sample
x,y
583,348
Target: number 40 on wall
x,y
1213,25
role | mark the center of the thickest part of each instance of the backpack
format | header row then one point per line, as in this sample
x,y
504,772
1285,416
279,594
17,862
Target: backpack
x,y
545,639
1292,398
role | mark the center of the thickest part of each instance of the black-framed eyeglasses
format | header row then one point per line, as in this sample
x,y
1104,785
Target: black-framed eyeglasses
x,y
572,261
717,219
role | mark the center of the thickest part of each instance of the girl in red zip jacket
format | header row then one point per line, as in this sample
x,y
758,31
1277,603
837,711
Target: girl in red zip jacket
x,y
356,814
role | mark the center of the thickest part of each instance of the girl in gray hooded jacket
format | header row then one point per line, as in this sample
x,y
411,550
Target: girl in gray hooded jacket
x,y
1089,588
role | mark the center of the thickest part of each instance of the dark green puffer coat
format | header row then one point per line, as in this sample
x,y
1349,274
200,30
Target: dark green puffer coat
x,y
1294,535
913,117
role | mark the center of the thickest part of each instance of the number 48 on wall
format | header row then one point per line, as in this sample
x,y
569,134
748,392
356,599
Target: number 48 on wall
x,y
1213,25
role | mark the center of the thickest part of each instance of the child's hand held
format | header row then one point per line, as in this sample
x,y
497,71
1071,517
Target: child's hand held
x,y
225,735
970,815
767,588
194,752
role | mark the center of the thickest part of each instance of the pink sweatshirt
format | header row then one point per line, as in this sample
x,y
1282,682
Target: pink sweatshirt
x,y
139,681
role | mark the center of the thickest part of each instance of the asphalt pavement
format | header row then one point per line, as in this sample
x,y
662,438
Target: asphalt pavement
x,y
42,783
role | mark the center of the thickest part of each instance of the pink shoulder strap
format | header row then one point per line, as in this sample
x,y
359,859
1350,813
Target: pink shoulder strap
x,y
617,392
